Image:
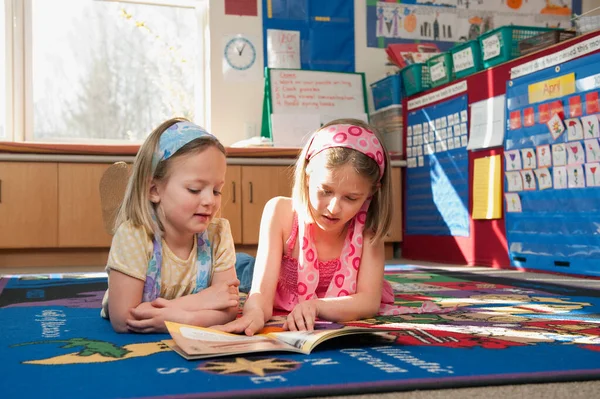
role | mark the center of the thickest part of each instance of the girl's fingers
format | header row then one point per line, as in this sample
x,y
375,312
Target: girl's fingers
x,y
309,319
160,302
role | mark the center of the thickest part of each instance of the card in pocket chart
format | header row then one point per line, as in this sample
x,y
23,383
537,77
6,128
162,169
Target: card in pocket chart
x,y
592,150
514,181
513,160
528,157
513,202
591,127
592,174
576,176
544,178
575,153
574,129
544,155
560,177
556,126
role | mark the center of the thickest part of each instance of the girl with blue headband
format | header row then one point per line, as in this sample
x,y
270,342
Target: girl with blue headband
x,y
170,258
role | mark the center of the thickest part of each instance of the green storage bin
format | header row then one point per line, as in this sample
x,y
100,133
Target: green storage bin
x,y
415,78
466,58
502,44
441,70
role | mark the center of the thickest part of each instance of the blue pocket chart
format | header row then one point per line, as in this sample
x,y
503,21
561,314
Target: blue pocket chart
x,y
552,169
437,176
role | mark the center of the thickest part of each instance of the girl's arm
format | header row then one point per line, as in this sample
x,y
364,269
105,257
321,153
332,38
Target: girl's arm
x,y
259,306
363,304
124,294
222,294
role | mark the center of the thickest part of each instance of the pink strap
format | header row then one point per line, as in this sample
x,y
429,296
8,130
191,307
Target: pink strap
x,y
344,279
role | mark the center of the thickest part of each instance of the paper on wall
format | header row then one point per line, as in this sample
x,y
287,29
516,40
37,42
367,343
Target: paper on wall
x,y
487,123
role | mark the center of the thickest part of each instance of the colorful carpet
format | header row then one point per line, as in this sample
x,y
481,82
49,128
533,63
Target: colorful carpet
x,y
502,331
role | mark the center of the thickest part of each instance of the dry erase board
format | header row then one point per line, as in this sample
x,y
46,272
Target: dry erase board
x,y
300,101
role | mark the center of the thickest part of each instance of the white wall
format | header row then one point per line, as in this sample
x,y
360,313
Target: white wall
x,y
236,107
587,5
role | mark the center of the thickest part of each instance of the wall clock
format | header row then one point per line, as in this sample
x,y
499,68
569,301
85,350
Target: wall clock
x,y
240,53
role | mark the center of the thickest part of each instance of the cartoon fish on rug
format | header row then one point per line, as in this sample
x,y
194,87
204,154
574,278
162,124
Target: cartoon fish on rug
x,y
95,351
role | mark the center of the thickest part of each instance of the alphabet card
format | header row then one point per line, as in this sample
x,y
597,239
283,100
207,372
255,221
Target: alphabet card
x,y
574,129
592,174
575,176
528,180
513,202
528,156
559,154
590,126
513,160
556,126
592,150
575,153
560,177
514,181
544,156
544,178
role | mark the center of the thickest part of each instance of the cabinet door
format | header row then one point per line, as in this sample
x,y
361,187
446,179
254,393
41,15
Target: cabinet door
x,y
79,209
259,185
28,204
231,203
395,233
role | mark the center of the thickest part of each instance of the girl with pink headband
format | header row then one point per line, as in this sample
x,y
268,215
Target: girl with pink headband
x,y
321,252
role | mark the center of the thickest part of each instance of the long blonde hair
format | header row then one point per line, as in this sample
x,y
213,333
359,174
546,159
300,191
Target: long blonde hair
x,y
137,207
380,210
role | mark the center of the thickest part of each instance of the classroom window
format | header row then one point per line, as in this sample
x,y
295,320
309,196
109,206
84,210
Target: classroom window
x,y
101,71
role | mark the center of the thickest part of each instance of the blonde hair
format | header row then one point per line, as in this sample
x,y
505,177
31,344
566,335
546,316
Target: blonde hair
x,y
380,210
137,207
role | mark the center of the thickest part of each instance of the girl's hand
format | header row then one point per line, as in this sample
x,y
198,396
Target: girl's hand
x,y
250,323
302,317
152,319
221,296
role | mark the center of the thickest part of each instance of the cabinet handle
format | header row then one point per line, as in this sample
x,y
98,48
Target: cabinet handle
x,y
250,184
233,190
0,191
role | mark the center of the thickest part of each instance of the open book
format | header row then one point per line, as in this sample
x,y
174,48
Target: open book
x,y
193,342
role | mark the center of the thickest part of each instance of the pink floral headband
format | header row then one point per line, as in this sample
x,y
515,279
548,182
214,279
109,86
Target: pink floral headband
x,y
348,136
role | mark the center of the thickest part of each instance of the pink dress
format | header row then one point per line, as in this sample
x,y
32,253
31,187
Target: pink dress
x,y
286,294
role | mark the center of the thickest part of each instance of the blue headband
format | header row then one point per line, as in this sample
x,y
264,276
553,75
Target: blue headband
x,y
175,137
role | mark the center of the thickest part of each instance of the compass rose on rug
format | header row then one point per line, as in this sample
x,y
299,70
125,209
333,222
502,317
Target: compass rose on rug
x,y
241,366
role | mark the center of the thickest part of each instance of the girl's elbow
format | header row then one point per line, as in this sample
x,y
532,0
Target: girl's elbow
x,y
119,326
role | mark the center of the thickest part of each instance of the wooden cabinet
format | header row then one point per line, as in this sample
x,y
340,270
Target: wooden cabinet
x,y
246,191
28,203
79,209
395,233
231,201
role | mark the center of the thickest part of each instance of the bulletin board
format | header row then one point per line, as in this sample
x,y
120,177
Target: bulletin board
x,y
437,189
297,102
326,30
487,243
552,168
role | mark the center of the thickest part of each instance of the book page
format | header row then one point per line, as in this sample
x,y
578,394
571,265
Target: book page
x,y
198,342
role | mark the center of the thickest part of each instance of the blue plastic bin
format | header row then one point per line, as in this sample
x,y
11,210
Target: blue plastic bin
x,y
386,91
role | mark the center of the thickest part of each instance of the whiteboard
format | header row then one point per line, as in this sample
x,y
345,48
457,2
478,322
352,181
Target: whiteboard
x,y
300,101
295,91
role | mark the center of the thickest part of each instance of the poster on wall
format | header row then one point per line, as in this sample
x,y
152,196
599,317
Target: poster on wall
x,y
446,22
437,176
